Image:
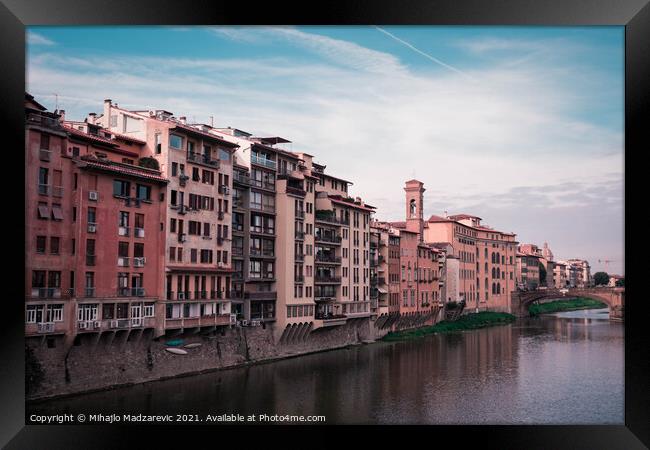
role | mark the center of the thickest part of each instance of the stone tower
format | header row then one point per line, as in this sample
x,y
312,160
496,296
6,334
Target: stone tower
x,y
414,204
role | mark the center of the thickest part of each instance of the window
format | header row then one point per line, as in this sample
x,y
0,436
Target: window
x,y
123,249
54,245
43,211
57,213
158,142
121,188
45,142
139,221
148,310
175,141
92,215
174,169
41,243
143,192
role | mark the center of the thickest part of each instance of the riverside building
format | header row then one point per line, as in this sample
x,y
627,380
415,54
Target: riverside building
x,y
93,249
198,213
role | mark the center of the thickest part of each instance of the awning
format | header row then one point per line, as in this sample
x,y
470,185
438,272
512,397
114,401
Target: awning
x,y
57,213
43,212
382,290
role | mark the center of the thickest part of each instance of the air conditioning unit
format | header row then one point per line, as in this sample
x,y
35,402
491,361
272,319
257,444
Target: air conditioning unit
x,y
92,228
114,324
93,195
181,295
183,237
233,319
255,323
139,232
221,265
139,262
244,323
97,324
83,325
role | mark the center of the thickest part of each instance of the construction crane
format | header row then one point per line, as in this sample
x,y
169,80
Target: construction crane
x,y
607,261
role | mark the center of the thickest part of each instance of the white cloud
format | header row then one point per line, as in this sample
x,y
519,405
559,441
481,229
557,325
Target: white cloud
x,y
374,121
37,39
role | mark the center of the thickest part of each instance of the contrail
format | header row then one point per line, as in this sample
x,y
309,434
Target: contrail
x,y
426,55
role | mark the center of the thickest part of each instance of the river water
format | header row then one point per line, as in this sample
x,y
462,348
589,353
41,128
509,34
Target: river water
x,y
563,368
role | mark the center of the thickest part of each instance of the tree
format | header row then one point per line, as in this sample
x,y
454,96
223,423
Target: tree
x,y
601,278
542,274
620,282
149,163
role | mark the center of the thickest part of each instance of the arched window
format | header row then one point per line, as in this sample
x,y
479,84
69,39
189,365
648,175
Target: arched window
x,y
413,207
498,258
494,287
492,257
498,273
486,252
494,273
478,284
486,284
498,288
486,268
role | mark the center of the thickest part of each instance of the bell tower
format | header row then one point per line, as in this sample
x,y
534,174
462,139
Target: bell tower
x,y
414,203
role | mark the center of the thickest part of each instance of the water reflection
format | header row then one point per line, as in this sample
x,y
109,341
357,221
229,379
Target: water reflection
x,y
565,368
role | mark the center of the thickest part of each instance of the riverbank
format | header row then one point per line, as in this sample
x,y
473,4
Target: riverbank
x,y
465,322
565,305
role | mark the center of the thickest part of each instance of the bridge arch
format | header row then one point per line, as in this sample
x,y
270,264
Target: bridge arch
x,y
614,298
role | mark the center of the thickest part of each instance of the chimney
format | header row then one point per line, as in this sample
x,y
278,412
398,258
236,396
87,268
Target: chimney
x,y
183,120
61,115
107,111
92,117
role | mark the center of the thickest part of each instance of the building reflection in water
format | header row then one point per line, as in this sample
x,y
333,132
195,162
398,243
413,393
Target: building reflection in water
x,y
541,370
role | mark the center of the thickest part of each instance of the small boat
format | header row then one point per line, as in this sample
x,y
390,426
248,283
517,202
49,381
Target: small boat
x,y
175,342
177,351
193,345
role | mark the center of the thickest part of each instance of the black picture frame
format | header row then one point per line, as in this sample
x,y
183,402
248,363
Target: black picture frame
x,y
16,14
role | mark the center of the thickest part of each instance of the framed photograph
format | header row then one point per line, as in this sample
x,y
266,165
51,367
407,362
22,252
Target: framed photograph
x,y
360,214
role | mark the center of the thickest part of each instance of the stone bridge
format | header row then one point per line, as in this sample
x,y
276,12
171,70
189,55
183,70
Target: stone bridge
x,y
613,297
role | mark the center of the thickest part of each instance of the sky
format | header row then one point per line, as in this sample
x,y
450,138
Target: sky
x,y
521,126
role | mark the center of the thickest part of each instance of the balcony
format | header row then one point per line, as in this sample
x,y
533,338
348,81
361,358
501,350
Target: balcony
x,y
299,257
138,232
241,179
209,320
237,251
328,238
299,278
271,295
300,235
57,191
123,231
330,317
203,159
261,253
139,261
238,203
46,292
44,155
263,208
263,161
329,217
328,259
296,191
223,189
44,189
219,295
327,279
260,230
130,292
123,261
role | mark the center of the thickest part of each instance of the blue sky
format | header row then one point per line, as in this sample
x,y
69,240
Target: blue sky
x,y
522,126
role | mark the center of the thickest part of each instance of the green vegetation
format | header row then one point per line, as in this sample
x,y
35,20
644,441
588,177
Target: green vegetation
x,y
465,322
565,305
149,162
601,278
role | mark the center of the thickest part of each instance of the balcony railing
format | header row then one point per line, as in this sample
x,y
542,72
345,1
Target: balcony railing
x,y
123,261
130,291
300,235
271,295
139,261
242,179
260,207
46,292
327,279
57,191
237,251
334,239
202,159
330,218
263,253
329,316
299,278
44,189
260,230
263,161
299,257
138,232
89,292
327,258
44,155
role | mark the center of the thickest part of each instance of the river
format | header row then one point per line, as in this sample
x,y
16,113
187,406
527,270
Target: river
x,y
562,368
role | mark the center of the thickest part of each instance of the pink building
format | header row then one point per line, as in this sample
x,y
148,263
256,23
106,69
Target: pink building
x,y
93,252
